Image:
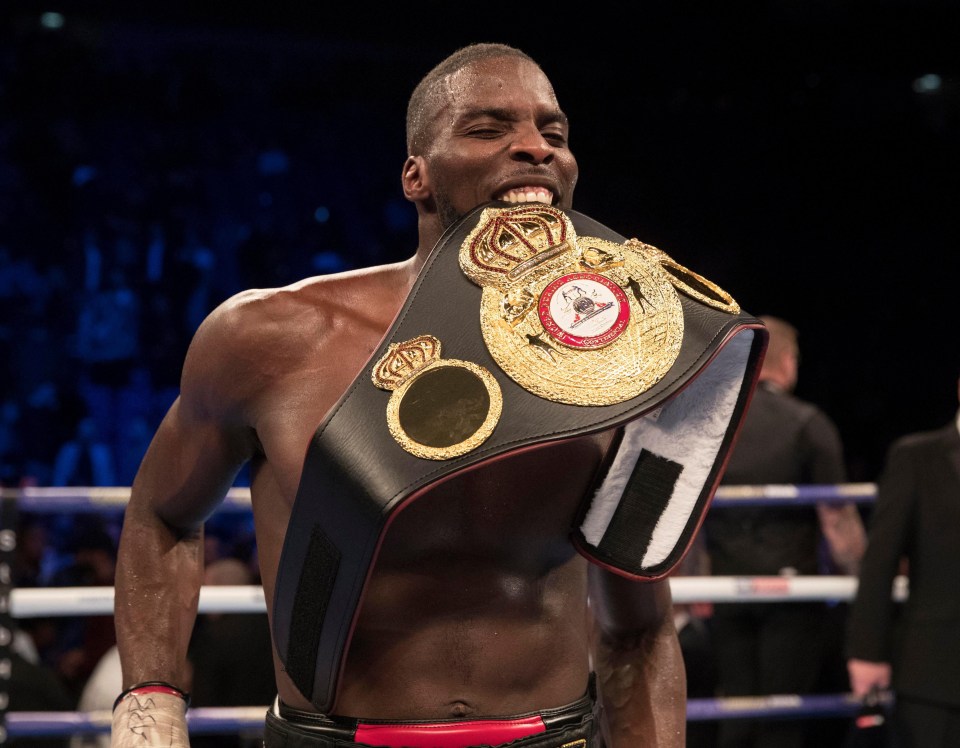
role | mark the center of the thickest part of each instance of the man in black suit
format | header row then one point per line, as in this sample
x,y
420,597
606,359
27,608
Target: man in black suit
x,y
780,648
914,529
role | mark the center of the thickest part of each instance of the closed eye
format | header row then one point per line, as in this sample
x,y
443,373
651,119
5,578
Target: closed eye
x,y
485,133
558,139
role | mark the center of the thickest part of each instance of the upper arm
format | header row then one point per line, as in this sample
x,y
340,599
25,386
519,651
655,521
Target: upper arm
x,y
626,608
188,468
204,438
871,614
890,519
824,447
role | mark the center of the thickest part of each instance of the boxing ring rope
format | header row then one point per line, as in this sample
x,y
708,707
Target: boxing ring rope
x,y
36,499
79,601
97,601
231,720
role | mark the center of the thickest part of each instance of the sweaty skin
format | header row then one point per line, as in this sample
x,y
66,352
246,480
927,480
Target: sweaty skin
x,y
478,605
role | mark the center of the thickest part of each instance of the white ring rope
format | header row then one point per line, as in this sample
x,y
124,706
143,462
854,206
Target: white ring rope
x,y
788,493
36,499
98,601
66,601
96,498
95,601
78,601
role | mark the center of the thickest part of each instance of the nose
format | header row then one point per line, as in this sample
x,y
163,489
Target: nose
x,y
530,146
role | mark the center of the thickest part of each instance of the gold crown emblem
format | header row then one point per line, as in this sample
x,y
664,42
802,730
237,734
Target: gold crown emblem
x,y
508,242
403,360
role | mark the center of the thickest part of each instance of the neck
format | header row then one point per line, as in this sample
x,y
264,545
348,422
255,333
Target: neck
x,y
408,271
773,385
429,230
419,258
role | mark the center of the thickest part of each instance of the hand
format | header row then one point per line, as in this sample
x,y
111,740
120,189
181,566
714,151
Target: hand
x,y
701,610
846,536
143,720
865,675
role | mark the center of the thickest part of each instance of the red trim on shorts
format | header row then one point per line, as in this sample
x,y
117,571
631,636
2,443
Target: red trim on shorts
x,y
449,734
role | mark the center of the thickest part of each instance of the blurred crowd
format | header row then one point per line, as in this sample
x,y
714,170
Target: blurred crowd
x,y
144,178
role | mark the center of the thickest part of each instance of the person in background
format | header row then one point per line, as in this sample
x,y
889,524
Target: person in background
x,y
98,695
779,648
86,459
34,687
911,647
83,640
231,657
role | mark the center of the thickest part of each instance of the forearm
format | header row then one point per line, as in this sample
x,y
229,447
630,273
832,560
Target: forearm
x,y
642,687
159,573
639,665
185,473
845,534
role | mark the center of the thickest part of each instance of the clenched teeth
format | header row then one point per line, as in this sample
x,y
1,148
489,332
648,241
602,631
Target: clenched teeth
x,y
527,195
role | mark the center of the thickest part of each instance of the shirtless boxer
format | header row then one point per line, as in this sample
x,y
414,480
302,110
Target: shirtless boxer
x,y
478,606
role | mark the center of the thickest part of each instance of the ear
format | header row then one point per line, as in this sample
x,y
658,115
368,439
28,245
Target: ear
x,y
416,179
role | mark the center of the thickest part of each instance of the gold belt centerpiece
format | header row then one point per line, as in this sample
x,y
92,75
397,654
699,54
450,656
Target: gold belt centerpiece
x,y
576,320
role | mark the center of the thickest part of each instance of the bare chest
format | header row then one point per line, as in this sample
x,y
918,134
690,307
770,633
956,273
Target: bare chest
x,y
303,396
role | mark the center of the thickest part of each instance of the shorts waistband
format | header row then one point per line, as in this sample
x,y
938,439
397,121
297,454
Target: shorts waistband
x,y
562,726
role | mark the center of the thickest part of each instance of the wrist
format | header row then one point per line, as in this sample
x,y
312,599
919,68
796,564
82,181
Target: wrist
x,y
150,716
153,687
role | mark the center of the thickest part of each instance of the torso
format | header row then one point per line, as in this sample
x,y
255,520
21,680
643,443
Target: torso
x,y
477,603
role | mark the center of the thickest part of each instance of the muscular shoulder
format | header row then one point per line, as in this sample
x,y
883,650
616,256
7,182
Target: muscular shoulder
x,y
269,320
260,336
908,457
922,441
786,413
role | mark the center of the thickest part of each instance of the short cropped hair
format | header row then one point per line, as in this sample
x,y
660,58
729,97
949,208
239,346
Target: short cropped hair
x,y
425,97
784,337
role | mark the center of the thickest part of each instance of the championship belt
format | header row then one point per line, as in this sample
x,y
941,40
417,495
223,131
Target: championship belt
x,y
527,324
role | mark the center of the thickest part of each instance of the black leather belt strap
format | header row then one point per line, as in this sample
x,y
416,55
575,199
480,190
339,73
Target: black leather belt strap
x,y
356,476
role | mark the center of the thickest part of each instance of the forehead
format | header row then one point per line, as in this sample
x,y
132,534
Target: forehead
x,y
501,82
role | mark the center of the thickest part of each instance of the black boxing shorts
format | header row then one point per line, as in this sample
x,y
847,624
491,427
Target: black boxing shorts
x,y
571,726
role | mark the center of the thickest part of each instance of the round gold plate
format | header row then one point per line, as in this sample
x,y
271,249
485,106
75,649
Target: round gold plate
x,y
445,410
551,367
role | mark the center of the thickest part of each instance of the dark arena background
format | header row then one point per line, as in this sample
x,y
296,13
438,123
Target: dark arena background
x,y
156,158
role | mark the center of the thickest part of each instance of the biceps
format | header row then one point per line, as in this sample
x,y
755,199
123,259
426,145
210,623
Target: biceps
x,y
188,468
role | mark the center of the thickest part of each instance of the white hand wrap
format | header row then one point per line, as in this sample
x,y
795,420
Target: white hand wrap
x,y
148,720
